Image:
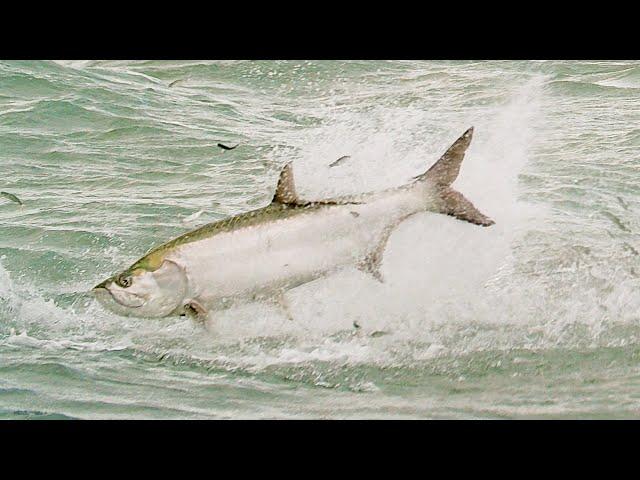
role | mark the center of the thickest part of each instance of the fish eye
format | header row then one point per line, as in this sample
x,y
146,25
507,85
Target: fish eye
x,y
124,281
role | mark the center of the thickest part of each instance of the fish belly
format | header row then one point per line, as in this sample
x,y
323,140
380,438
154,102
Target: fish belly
x,y
289,252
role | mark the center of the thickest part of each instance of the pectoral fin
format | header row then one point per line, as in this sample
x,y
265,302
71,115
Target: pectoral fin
x,y
195,310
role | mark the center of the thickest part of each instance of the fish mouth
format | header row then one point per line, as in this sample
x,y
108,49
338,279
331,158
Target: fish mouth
x,y
101,290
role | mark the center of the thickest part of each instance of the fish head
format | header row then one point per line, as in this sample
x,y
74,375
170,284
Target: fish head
x,y
138,292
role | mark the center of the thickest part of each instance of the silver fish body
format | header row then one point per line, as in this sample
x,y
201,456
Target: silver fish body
x,y
280,246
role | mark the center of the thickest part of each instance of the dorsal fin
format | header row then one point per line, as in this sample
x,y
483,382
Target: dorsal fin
x,y
286,189
444,172
286,192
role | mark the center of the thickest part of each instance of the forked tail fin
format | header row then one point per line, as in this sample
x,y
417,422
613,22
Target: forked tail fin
x,y
443,173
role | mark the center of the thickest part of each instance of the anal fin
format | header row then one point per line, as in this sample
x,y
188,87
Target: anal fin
x,y
371,264
373,260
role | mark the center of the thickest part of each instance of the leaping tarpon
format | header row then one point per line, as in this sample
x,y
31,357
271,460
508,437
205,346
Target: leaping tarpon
x,y
264,252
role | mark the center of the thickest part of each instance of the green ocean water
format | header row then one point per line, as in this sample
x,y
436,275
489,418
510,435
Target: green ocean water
x,y
535,317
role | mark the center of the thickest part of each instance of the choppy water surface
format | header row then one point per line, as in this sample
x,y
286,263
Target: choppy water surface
x,y
537,316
